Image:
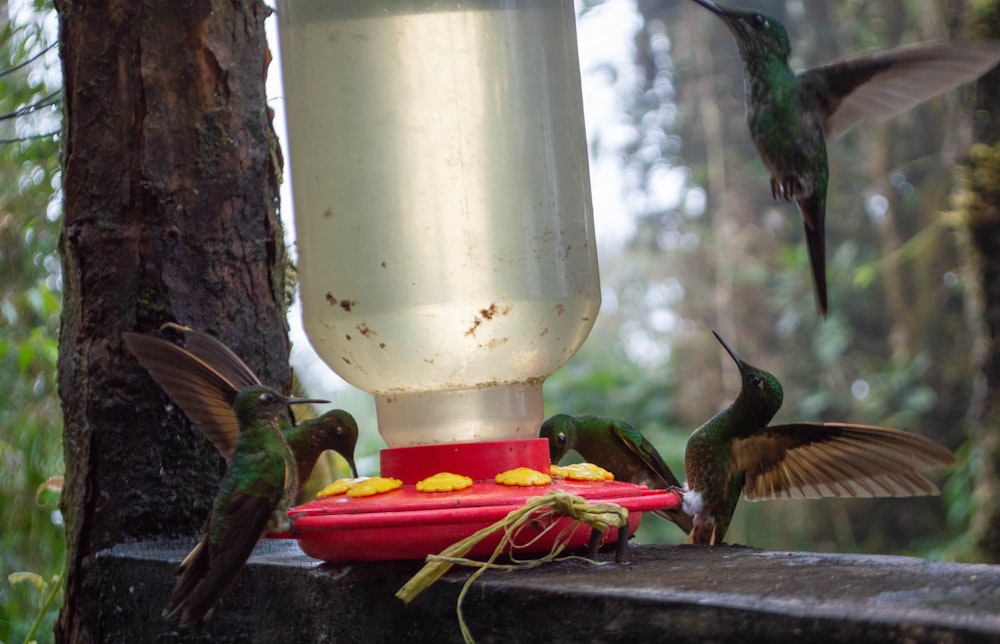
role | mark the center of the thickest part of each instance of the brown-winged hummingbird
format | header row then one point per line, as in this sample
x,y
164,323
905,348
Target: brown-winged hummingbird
x,y
737,451
792,116
261,475
205,378
617,447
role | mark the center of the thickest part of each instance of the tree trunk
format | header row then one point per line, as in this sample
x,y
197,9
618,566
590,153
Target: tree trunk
x,y
170,174
982,212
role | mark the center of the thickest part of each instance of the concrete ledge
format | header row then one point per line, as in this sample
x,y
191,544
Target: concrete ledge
x,y
664,593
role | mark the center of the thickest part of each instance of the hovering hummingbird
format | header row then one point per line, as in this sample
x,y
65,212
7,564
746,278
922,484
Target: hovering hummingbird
x,y
617,447
737,451
261,474
204,380
792,116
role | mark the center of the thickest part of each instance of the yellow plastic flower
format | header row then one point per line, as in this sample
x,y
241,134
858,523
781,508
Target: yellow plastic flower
x,y
523,476
374,485
582,472
337,487
444,482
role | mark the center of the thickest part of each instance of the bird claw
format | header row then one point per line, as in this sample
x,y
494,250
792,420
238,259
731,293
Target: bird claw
x,y
786,189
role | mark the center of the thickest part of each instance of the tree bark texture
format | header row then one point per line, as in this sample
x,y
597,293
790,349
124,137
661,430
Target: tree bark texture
x,y
170,179
983,217
982,212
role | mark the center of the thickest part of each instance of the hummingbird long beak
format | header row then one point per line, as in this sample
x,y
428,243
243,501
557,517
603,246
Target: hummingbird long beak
x,y
734,18
303,401
711,6
732,354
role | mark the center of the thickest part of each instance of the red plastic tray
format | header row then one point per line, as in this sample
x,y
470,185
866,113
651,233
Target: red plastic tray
x,y
406,524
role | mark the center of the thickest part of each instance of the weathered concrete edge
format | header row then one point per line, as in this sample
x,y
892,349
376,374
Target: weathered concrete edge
x,y
682,593
890,605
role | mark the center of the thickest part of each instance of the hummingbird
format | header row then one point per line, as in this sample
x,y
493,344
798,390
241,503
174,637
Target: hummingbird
x,y
617,447
792,116
204,380
737,451
261,475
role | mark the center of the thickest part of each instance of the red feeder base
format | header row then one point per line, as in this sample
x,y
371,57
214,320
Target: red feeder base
x,y
407,524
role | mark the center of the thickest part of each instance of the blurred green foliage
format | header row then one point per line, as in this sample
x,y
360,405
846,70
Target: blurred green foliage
x,y
30,420
721,254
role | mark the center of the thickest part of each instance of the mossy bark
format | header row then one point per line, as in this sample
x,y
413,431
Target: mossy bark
x,y
170,179
981,206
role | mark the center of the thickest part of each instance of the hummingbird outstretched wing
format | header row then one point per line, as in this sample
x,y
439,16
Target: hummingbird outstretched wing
x,y
221,358
204,394
216,354
887,83
657,468
815,460
644,450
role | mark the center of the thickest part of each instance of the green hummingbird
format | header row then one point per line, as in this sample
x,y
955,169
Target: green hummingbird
x,y
737,451
261,475
793,116
617,447
205,378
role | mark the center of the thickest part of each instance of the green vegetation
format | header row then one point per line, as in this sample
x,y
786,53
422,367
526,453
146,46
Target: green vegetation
x,y
30,421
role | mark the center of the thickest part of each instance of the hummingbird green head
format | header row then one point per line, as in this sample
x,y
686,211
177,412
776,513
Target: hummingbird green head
x,y
260,404
336,430
760,392
757,34
560,431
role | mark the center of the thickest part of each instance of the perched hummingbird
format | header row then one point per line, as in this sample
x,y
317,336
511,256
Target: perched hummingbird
x,y
261,474
204,380
617,447
737,451
792,116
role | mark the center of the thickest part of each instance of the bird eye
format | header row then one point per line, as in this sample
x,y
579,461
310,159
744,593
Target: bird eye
x,y
267,397
561,438
758,21
757,381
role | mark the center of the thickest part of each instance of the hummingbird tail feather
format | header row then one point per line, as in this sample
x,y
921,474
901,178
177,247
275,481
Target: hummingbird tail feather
x,y
187,577
813,209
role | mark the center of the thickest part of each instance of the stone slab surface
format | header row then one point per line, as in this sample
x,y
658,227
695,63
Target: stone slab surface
x,y
664,593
